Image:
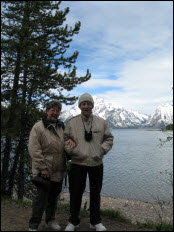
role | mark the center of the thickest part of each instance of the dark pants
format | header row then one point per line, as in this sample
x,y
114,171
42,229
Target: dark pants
x,y
45,200
77,184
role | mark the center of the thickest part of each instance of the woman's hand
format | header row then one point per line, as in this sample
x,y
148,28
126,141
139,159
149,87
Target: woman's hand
x,y
71,143
45,173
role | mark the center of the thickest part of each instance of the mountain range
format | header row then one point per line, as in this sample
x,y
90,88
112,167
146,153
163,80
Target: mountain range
x,y
118,117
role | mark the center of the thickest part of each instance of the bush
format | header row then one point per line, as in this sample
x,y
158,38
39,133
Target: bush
x,y
169,127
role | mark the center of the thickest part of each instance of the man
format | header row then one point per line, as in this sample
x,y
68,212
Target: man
x,y
93,140
46,148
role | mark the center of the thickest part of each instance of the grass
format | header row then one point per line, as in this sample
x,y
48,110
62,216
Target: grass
x,y
157,226
63,207
112,214
17,201
115,214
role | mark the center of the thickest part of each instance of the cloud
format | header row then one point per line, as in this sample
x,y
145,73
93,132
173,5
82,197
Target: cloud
x,y
153,70
127,46
153,74
122,25
139,83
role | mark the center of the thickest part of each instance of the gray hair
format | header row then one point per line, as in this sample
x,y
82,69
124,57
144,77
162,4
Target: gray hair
x,y
52,104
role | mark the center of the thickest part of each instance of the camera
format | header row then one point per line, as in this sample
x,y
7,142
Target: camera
x,y
88,135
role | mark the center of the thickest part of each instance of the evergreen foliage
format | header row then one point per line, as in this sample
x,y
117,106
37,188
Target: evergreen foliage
x,y
34,43
169,127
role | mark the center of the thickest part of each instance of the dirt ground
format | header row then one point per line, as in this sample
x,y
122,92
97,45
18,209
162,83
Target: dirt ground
x,y
135,211
15,217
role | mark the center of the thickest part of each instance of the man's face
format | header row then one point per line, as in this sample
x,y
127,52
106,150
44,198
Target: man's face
x,y
86,108
53,114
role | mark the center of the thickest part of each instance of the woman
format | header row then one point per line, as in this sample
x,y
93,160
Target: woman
x,y
46,148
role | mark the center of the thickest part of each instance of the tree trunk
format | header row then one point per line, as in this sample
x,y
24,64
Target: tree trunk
x,y
20,148
5,166
21,173
13,171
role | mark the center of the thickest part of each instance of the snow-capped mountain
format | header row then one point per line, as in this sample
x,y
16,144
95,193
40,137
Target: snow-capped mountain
x,y
119,117
162,116
114,115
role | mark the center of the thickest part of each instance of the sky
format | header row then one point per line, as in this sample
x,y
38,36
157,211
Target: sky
x,y
128,48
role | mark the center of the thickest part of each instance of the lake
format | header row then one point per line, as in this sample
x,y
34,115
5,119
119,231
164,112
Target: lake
x,y
135,167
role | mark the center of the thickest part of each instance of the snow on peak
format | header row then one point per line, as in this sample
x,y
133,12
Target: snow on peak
x,y
122,118
163,116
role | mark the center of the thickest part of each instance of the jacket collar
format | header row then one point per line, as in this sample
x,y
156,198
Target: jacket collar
x,y
47,123
87,119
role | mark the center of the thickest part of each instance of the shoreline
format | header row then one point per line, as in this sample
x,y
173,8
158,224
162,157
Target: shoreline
x,y
136,211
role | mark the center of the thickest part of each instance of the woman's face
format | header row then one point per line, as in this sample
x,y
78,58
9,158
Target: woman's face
x,y
53,114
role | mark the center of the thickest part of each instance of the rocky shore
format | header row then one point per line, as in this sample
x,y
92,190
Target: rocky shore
x,y
136,211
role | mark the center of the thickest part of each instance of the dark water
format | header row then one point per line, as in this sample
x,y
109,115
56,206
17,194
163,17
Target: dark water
x,y
135,167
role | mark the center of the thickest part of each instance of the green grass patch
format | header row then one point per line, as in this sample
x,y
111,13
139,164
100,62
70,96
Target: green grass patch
x,y
115,214
164,227
63,207
148,225
112,214
19,202
66,208
84,213
157,226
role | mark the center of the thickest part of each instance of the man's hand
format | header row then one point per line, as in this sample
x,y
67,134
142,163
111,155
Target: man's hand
x,y
71,143
45,174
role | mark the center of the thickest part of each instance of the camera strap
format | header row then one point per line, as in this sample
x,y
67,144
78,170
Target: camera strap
x,y
84,124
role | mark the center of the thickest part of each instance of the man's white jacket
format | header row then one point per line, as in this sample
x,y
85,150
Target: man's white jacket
x,y
88,153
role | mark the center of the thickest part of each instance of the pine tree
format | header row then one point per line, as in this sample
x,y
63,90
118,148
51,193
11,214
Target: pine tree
x,y
35,40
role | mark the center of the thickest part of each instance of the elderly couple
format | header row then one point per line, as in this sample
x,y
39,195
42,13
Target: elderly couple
x,y
86,139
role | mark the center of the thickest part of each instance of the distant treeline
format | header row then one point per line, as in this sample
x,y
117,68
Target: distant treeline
x,y
169,127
